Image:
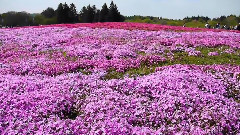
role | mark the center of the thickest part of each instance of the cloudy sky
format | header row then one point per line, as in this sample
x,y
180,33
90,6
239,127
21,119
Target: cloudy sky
x,y
174,9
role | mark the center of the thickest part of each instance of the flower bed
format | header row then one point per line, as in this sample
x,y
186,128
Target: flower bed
x,y
119,78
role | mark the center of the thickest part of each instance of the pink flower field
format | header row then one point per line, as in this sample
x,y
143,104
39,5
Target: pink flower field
x,y
119,79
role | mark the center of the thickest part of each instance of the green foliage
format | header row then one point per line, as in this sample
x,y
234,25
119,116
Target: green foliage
x,y
40,19
50,21
113,74
147,20
141,53
182,58
64,54
143,70
196,24
175,22
143,19
231,20
212,23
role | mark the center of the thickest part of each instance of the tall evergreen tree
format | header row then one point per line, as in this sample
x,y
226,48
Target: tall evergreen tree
x,y
96,16
90,13
1,20
83,15
103,17
113,14
66,10
60,14
87,14
73,16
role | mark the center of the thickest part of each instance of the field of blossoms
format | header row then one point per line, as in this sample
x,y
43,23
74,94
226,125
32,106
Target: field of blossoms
x,y
119,79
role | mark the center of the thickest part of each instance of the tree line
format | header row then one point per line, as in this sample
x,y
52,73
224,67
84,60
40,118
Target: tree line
x,y
194,21
68,14
63,14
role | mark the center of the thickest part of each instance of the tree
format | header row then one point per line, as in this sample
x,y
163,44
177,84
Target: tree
x,y
1,19
103,13
60,16
231,20
83,15
96,16
48,13
39,19
73,16
66,14
113,14
91,11
87,14
222,18
66,10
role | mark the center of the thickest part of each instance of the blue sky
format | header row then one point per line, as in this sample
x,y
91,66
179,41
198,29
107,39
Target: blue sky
x,y
174,9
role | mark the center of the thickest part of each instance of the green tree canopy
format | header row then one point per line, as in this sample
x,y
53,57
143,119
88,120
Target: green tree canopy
x,y
49,12
17,19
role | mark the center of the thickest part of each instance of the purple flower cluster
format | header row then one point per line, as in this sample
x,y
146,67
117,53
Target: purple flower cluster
x,y
213,54
193,52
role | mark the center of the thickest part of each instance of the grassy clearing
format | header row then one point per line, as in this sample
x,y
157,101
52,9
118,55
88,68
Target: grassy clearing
x,y
182,58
